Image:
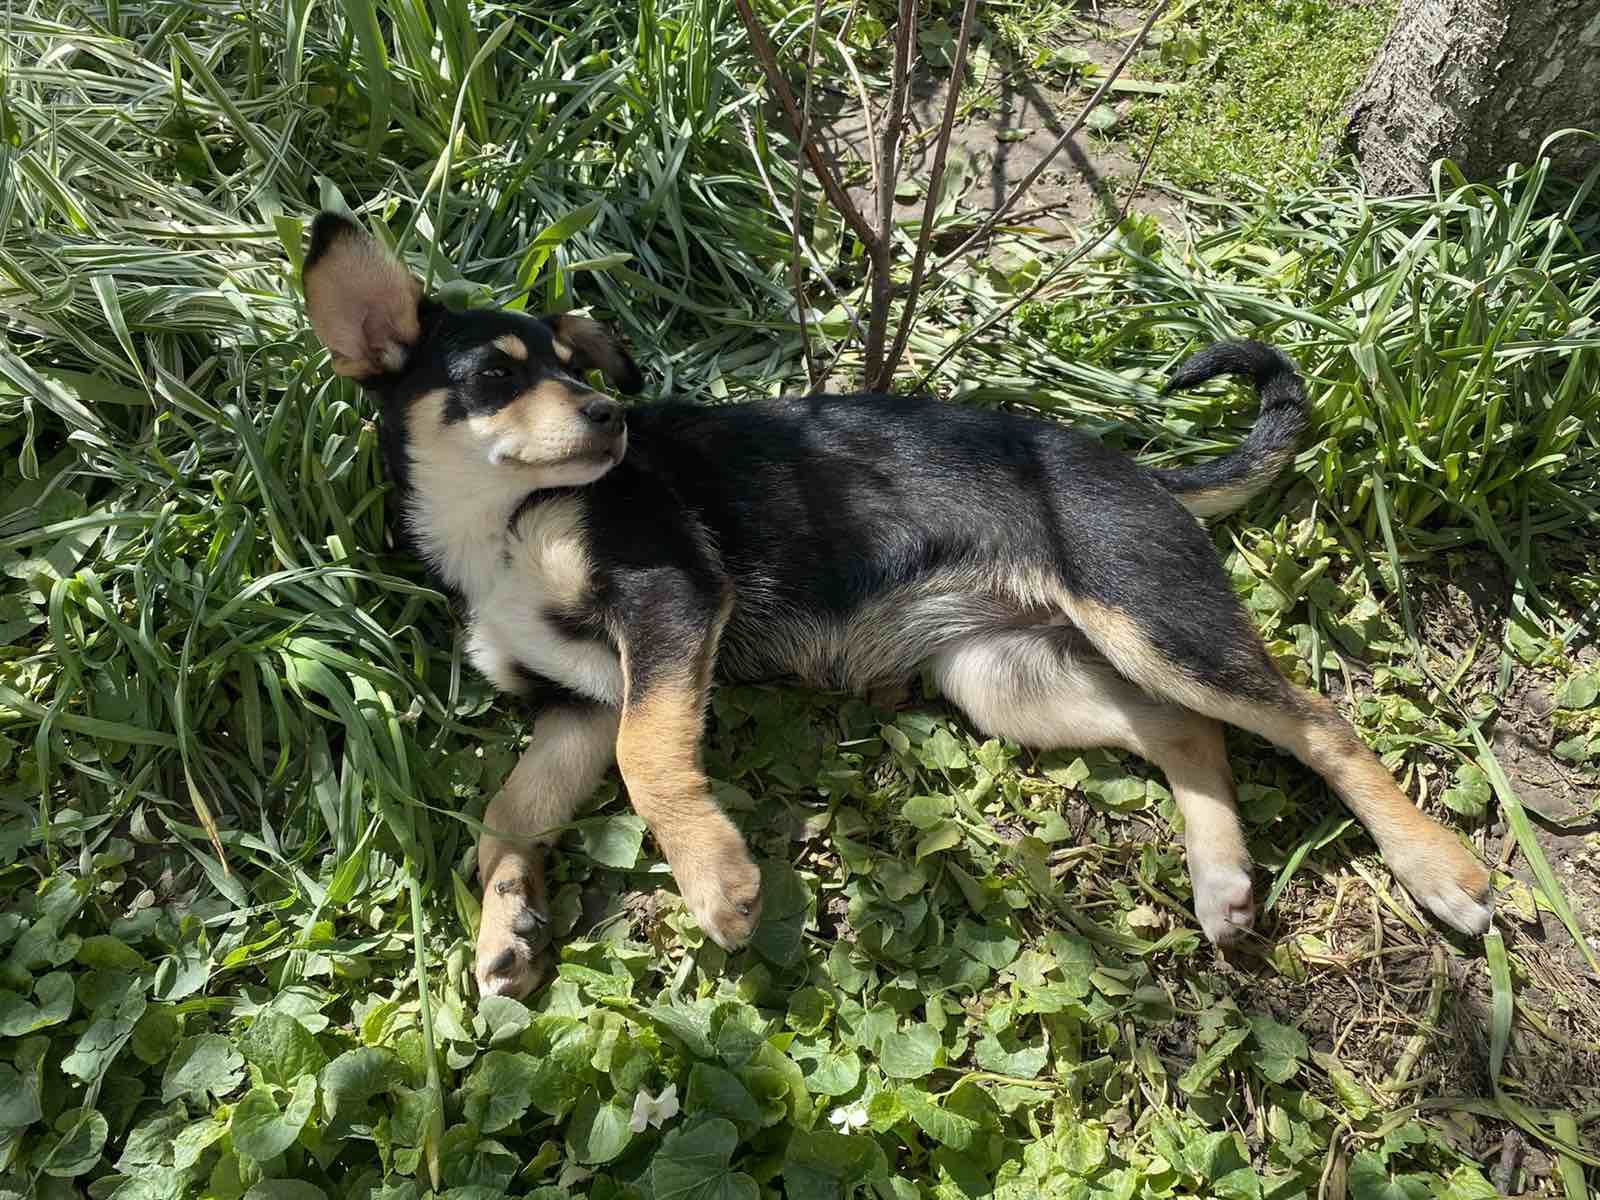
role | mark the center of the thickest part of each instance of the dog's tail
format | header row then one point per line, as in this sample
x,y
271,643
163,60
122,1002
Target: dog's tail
x,y
1223,484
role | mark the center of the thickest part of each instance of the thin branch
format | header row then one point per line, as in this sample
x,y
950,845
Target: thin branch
x,y
900,85
799,190
837,196
866,109
1017,193
1054,272
941,150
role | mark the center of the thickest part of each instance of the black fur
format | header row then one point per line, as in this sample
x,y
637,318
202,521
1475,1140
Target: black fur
x,y
1277,432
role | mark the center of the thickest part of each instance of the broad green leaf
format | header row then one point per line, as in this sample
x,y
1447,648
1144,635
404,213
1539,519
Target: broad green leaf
x,y
1006,1055
910,1054
499,1089
109,953
614,841
110,1030
19,1103
713,1091
944,1126
833,1072
1279,1049
281,1048
1212,1060
561,1072
81,1136
784,901
204,1065
285,1189
260,1130
992,945
505,1017
356,1076
822,1165
1579,691
1369,1179
598,1130
51,1004
693,1164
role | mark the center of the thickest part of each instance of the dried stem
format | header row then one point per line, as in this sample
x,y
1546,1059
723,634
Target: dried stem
x,y
797,275
837,196
880,247
941,149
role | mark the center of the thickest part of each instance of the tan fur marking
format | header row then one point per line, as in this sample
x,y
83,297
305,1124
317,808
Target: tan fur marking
x,y
1425,856
512,346
1117,636
658,750
554,545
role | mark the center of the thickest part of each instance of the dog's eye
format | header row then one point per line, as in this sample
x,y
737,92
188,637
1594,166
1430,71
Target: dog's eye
x,y
493,373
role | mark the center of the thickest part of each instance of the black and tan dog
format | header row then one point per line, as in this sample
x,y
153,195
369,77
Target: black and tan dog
x,y
613,563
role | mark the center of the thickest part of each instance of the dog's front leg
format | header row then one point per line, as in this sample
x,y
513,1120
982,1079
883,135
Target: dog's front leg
x,y
668,649
571,750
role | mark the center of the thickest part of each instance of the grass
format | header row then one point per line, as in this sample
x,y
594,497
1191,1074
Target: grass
x,y
242,760
1261,86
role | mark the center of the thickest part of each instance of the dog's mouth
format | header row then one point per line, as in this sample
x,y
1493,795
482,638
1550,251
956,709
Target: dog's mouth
x,y
598,452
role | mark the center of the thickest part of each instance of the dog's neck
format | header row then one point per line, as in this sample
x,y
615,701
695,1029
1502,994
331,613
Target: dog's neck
x,y
460,522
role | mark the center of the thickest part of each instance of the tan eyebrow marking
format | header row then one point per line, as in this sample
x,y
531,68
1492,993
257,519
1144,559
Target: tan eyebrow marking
x,y
511,345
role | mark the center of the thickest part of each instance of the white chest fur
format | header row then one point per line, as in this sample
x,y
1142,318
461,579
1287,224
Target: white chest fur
x,y
512,575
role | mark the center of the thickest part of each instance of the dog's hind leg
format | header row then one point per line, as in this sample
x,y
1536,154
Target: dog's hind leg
x,y
1220,668
1029,685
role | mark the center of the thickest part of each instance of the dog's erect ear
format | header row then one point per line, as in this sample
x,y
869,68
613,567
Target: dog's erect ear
x,y
588,346
361,299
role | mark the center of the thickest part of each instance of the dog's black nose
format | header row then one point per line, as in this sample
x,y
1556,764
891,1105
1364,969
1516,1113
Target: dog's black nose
x,y
602,414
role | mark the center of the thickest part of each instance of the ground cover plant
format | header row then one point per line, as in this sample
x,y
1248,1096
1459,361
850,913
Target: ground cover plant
x,y
241,756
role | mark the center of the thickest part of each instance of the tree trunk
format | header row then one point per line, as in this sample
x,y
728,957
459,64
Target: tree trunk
x,y
1482,83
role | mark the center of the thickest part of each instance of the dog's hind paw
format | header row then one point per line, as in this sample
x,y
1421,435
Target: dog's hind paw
x,y
1449,882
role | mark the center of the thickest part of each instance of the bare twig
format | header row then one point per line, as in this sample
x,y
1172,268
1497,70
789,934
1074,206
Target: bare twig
x,y
797,274
1017,193
930,204
1054,272
837,196
880,247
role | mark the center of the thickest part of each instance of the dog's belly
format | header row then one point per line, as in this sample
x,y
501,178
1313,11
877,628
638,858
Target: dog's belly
x,y
880,642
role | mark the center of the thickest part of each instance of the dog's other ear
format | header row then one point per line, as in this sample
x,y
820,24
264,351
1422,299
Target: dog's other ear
x,y
588,346
361,299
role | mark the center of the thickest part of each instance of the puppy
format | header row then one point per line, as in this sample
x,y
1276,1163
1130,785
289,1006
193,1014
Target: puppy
x,y
613,563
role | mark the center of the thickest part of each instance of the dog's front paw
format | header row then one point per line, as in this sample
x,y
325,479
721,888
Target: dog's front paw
x,y
720,884
513,955
1224,901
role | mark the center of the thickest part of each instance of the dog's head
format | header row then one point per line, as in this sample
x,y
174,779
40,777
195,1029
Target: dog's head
x,y
481,389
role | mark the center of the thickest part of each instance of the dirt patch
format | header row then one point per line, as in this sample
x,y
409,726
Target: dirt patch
x,y
1008,122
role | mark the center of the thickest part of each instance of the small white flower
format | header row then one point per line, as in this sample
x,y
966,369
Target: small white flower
x,y
849,1119
655,1111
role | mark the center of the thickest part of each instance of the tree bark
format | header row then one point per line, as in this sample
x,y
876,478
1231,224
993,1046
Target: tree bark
x,y
1482,83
